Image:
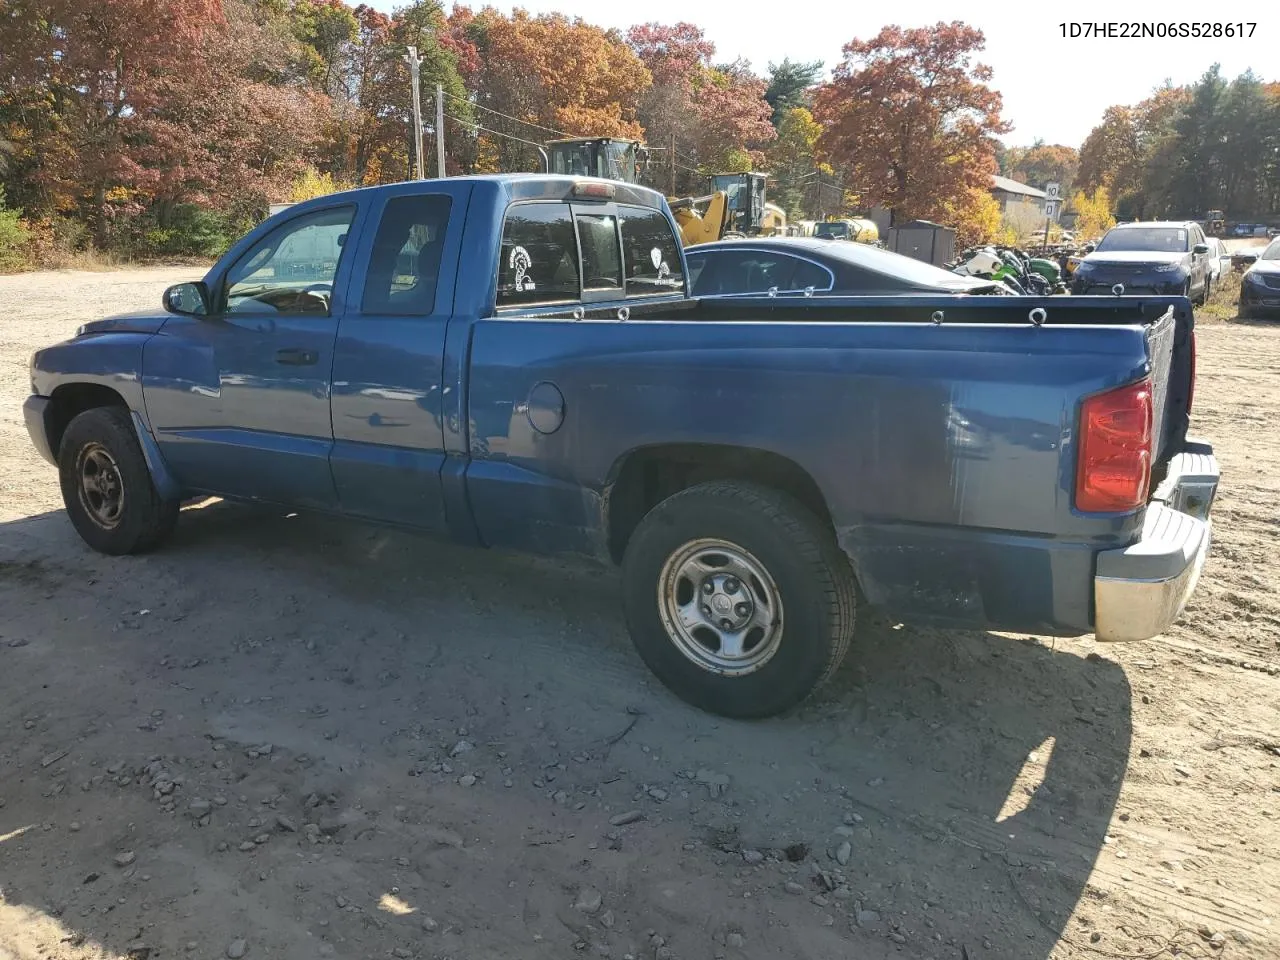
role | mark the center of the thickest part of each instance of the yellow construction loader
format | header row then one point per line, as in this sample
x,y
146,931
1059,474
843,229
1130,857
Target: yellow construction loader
x,y
735,207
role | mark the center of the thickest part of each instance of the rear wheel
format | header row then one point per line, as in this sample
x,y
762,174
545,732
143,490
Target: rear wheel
x,y
738,598
106,486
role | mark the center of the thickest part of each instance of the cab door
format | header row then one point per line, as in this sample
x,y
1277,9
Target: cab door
x,y
239,399
387,404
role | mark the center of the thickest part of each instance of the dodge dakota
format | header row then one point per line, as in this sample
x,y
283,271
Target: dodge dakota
x,y
515,362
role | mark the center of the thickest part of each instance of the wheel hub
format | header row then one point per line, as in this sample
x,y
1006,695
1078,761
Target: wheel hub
x,y
726,605
720,606
101,488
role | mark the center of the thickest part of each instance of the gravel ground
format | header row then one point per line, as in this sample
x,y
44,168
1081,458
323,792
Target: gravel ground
x,y
295,738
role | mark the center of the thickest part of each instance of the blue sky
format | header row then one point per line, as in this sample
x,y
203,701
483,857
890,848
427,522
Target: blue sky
x,y
1054,88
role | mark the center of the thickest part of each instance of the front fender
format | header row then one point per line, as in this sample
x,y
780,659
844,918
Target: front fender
x,y
112,361
78,374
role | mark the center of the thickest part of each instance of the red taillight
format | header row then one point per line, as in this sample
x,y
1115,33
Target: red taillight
x,y
1191,387
1113,469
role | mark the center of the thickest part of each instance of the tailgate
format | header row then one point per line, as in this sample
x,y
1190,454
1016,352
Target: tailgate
x,y
1171,349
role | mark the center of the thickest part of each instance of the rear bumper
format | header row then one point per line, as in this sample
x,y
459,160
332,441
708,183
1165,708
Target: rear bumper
x,y
33,412
1140,590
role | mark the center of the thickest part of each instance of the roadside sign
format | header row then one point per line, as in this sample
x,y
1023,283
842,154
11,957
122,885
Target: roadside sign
x,y
1051,209
1051,190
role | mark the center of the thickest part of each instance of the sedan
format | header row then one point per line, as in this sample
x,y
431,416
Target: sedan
x,y
1260,285
808,265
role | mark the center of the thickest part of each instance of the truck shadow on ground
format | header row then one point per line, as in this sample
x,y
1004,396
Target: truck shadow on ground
x,y
948,795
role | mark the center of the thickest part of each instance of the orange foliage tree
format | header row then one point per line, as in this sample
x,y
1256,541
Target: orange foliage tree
x,y
908,116
702,118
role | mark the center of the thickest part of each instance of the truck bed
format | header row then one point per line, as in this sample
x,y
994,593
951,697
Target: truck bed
x,y
951,484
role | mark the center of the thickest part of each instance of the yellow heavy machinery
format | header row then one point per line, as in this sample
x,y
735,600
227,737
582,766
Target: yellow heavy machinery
x,y
735,205
775,221
859,230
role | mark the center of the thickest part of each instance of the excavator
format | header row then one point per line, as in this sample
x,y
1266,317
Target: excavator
x,y
735,206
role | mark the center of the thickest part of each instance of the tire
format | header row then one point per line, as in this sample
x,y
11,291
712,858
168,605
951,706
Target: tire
x,y
101,445
783,552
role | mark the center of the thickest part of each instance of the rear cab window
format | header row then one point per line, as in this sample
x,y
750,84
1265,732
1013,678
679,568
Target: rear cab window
x,y
560,252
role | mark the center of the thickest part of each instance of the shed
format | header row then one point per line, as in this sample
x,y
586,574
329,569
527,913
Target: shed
x,y
924,240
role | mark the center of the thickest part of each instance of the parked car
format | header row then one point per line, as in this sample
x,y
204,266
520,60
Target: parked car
x,y
1219,260
541,381
1149,257
1260,285
1241,260
800,265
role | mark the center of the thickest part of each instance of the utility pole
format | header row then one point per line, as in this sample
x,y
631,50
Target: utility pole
x,y
673,165
414,61
440,130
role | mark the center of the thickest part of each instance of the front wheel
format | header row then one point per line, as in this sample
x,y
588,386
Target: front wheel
x,y
106,486
738,598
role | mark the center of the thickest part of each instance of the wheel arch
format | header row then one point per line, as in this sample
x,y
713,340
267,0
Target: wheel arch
x,y
645,476
69,400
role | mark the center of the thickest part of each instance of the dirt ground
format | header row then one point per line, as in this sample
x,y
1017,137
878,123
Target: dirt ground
x,y
283,737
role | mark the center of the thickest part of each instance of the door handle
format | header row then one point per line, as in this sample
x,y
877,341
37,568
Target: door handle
x,y
297,358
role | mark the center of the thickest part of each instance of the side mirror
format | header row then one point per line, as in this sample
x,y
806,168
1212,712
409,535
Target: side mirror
x,y
189,299
1200,248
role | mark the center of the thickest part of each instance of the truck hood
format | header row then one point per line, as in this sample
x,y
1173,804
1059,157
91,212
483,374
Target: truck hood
x,y
139,321
1269,267
1131,258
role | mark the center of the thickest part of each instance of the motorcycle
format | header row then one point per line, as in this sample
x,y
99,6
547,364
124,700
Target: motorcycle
x,y
1019,272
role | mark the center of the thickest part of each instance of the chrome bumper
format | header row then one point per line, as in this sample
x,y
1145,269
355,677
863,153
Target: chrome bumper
x,y
1140,590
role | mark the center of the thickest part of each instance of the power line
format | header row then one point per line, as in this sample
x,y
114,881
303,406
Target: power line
x,y
507,116
472,125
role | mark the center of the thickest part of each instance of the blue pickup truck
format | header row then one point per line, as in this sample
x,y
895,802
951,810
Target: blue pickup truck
x,y
515,362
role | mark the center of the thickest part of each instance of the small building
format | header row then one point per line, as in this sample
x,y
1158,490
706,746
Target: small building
x,y
1013,195
923,240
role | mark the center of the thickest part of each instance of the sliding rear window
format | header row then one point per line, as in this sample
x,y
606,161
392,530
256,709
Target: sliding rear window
x,y
554,252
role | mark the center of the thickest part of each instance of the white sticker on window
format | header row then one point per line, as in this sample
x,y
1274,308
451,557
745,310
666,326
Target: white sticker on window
x,y
656,256
521,263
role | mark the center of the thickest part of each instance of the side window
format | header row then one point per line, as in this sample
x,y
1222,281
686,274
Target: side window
x,y
697,263
808,274
405,264
650,252
601,260
723,272
539,255
292,269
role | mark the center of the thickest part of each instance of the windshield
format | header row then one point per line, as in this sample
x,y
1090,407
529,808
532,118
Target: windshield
x,y
831,230
731,184
1164,239
1272,252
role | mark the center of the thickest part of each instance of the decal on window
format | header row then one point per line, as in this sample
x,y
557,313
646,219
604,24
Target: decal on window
x,y
655,255
521,263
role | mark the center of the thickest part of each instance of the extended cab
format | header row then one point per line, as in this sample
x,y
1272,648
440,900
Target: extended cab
x,y
515,362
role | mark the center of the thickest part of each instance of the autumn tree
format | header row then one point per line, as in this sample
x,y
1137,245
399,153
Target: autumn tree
x,y
976,216
1093,212
793,163
702,118
1111,156
1043,163
908,116
379,141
